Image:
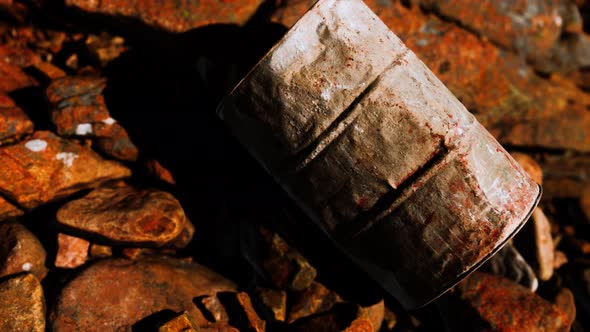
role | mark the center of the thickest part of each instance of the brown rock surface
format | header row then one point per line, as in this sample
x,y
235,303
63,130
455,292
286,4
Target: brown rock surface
x,y
506,306
252,321
559,259
22,304
13,78
114,294
390,319
313,300
565,300
276,301
126,216
530,166
342,317
374,314
8,210
287,268
20,251
19,55
537,29
51,71
565,176
536,244
46,168
185,237
361,325
117,144
517,106
105,47
100,251
180,323
14,123
79,109
16,10
71,252
544,249
141,253
159,171
217,311
219,327
173,16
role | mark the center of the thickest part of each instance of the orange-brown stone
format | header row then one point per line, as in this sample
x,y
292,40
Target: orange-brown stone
x,y
46,167
173,16
114,294
506,306
128,216
22,304
20,251
14,123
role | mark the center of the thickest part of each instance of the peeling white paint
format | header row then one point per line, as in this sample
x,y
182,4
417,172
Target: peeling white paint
x,y
67,158
36,145
84,129
358,129
337,87
27,266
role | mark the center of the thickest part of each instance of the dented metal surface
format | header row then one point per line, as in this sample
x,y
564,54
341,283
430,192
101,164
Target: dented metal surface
x,y
379,152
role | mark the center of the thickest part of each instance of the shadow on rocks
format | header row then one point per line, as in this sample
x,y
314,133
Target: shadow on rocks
x,y
164,91
165,94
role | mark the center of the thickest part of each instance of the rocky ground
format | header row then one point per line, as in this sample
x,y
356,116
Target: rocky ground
x,y
125,205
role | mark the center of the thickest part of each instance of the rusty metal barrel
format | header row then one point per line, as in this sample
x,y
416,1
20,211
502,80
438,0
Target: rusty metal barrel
x,y
378,152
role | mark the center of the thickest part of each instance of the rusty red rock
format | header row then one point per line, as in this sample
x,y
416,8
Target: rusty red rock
x,y
543,32
22,304
8,210
71,252
276,301
506,306
180,323
313,300
20,251
128,216
287,268
173,16
529,165
79,110
46,167
129,291
14,123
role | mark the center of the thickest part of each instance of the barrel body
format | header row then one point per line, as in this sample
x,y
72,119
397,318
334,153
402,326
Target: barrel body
x,y
378,152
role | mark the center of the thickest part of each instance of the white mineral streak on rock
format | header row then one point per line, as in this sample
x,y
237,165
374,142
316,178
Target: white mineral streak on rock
x,y
36,145
84,129
109,121
27,266
67,158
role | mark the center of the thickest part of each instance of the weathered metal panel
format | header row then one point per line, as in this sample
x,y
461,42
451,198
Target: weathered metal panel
x,y
379,152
